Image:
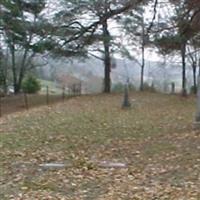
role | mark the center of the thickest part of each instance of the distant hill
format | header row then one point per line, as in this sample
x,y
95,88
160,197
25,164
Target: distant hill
x,y
155,72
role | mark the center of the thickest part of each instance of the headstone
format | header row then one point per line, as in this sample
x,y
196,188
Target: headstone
x,y
197,118
172,88
52,166
126,102
108,164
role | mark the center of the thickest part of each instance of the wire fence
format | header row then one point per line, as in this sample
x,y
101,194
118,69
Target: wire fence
x,y
25,101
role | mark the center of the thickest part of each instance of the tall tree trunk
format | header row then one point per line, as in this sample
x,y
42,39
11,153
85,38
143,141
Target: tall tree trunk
x,y
14,71
107,58
143,57
142,71
22,69
2,72
183,52
194,69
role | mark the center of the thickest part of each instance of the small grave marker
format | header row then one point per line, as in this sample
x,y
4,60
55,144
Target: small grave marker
x,y
52,166
108,164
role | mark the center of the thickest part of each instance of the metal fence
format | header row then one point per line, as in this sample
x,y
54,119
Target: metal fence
x,y
25,101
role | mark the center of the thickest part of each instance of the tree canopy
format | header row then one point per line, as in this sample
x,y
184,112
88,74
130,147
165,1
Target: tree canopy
x,y
77,25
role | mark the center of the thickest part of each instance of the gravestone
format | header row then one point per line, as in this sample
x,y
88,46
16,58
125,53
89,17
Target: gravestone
x,y
126,102
197,118
108,164
173,88
53,166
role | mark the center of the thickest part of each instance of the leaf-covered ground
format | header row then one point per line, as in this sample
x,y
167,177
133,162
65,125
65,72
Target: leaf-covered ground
x,y
155,138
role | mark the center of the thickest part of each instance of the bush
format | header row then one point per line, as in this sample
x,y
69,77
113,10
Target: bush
x,y
193,90
31,85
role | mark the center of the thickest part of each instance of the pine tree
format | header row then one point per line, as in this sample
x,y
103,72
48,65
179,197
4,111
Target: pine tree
x,y
177,37
20,27
96,28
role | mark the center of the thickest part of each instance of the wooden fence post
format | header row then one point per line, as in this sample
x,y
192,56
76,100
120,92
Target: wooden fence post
x,y
47,95
26,101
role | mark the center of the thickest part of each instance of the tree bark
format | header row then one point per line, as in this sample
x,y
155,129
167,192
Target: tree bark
x,y
142,71
183,52
107,58
143,57
194,69
14,71
22,69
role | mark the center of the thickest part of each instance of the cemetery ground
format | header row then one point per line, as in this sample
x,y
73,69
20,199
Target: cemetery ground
x,y
154,139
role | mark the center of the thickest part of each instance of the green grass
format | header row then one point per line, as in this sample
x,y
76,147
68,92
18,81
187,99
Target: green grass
x,y
155,138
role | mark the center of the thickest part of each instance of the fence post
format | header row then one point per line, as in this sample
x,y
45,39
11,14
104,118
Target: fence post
x,y
26,101
0,108
63,93
47,95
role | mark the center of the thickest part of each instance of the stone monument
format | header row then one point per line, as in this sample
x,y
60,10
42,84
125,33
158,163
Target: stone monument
x,y
126,102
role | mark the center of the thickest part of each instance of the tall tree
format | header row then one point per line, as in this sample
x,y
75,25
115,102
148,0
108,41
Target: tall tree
x,y
137,34
98,17
21,29
194,59
177,36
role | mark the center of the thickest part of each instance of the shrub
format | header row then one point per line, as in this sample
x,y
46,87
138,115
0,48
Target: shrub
x,y
31,85
193,90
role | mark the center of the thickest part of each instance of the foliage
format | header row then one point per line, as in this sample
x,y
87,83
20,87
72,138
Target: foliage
x,y
31,85
168,43
176,37
22,28
137,32
96,31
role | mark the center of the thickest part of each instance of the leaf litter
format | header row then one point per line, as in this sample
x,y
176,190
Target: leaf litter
x,y
153,143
